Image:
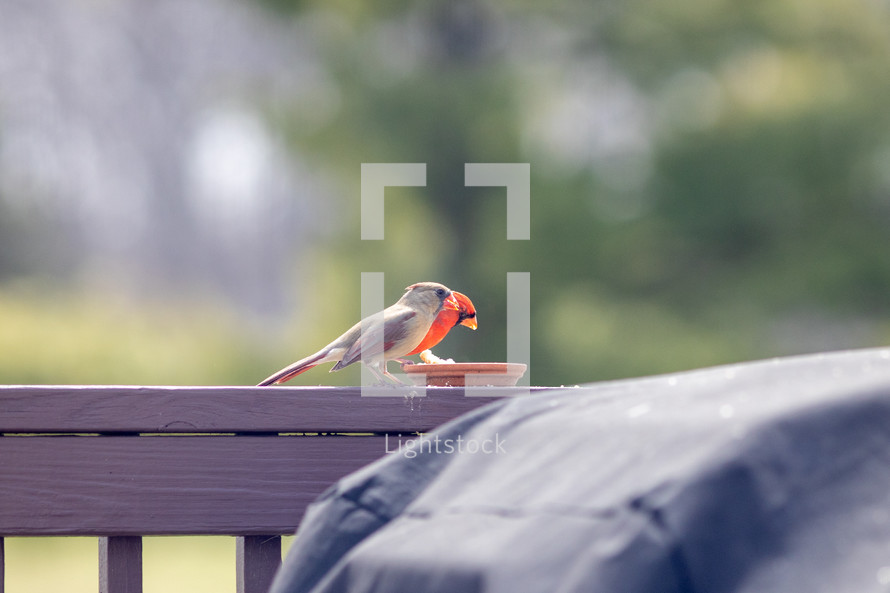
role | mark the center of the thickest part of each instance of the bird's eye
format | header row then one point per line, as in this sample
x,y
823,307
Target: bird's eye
x,y
440,292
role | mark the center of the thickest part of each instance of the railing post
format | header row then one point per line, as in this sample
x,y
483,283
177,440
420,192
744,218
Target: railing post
x,y
2,566
257,557
120,564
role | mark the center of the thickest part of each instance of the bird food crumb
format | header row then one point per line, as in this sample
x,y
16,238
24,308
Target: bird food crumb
x,y
428,357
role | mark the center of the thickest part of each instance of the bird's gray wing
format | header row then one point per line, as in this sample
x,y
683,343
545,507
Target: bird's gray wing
x,y
395,327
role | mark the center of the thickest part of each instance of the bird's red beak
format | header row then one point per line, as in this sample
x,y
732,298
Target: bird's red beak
x,y
451,303
467,310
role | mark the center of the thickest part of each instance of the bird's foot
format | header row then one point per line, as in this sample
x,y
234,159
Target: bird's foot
x,y
386,378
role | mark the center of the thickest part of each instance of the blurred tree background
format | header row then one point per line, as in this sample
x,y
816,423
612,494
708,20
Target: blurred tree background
x,y
179,180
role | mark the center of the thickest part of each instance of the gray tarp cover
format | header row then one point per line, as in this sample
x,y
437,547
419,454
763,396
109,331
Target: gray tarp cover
x,y
767,477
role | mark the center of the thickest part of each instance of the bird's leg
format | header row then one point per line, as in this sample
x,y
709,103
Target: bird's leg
x,y
396,381
380,378
383,375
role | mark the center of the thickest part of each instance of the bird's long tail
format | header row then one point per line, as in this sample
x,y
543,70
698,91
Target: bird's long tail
x,y
289,372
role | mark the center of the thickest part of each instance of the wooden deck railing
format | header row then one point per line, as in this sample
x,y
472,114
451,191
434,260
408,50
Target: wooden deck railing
x,y
120,463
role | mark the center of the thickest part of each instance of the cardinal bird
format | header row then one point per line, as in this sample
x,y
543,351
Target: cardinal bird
x,y
447,319
403,327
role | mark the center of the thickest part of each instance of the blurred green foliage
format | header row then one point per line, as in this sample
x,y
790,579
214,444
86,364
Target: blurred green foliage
x,y
752,221
710,183
53,336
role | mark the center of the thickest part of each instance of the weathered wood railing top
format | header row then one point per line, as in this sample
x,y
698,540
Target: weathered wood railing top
x,y
129,409
121,462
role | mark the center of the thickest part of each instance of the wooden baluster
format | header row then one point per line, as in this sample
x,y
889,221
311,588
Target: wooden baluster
x,y
257,557
120,564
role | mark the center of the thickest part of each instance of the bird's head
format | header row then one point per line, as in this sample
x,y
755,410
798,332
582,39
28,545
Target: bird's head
x,y
466,310
430,296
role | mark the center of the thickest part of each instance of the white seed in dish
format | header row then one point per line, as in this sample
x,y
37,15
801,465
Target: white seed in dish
x,y
428,357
